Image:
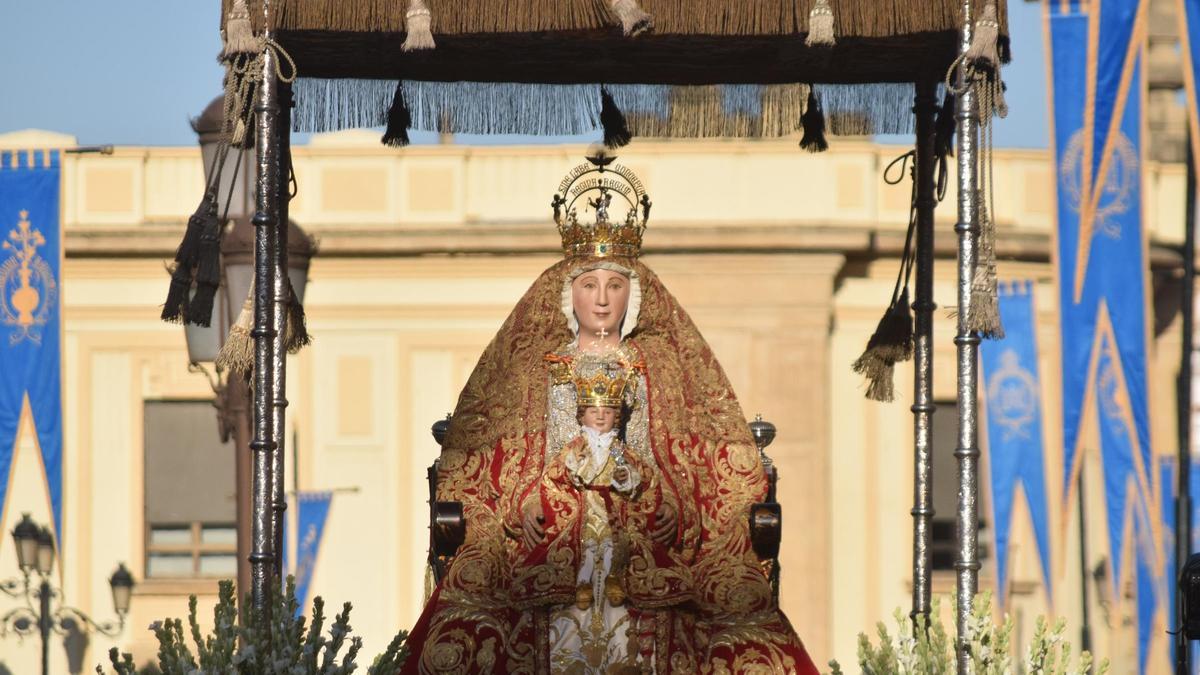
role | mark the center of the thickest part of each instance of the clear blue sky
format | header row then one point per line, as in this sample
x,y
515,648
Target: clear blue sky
x,y
133,72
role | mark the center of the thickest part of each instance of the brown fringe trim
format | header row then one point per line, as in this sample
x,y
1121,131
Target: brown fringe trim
x,y
853,18
702,112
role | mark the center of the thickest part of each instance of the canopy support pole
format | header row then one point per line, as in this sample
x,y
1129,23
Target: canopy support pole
x,y
266,254
279,325
1183,469
925,106
966,564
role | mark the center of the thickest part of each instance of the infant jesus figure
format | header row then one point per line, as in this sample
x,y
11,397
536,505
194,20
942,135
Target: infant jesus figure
x,y
587,494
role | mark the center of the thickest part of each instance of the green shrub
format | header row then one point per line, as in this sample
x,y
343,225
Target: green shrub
x,y
925,647
282,646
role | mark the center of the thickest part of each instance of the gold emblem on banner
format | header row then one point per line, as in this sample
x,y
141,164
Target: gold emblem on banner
x,y
27,282
1113,398
1012,396
1116,195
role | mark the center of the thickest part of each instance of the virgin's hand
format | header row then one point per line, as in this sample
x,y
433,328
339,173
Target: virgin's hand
x,y
666,522
532,530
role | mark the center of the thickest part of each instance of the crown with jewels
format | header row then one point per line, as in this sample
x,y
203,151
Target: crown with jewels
x,y
600,188
604,388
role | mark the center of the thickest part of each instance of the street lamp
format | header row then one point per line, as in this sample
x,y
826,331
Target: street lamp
x,y
25,536
35,552
121,583
232,395
45,551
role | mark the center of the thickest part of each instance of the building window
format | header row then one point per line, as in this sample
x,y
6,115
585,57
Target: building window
x,y
944,547
190,493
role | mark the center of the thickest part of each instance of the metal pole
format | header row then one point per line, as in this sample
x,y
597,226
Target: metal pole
x,y
1183,503
266,219
44,623
1085,630
237,410
966,565
279,324
925,106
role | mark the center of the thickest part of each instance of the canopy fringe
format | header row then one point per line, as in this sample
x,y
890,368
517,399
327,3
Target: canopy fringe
x,y
663,111
855,18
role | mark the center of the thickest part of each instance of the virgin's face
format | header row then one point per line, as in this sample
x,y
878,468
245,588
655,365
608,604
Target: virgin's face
x,y
600,298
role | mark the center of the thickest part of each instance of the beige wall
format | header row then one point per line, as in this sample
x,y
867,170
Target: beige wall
x,y
784,259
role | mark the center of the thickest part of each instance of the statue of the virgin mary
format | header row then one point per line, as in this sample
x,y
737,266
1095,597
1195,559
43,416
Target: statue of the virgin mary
x,y
602,542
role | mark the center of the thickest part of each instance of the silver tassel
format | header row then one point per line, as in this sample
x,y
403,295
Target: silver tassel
x,y
417,22
983,315
820,25
634,20
239,33
983,51
237,354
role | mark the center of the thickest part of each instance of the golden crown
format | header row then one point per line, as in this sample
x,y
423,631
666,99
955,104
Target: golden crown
x,y
604,389
598,184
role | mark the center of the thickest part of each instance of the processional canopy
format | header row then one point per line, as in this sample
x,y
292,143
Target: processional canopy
x,y
686,69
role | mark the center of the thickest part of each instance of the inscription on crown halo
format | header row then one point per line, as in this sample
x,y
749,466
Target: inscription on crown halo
x,y
593,188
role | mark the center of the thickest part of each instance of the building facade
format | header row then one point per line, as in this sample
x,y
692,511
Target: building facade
x,y
784,259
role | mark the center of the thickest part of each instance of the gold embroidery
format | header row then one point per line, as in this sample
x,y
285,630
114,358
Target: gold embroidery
x,y
697,456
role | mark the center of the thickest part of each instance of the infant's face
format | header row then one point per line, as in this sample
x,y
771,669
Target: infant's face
x,y
600,419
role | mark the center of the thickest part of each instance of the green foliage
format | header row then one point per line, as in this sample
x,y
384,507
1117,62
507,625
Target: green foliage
x,y
278,646
925,647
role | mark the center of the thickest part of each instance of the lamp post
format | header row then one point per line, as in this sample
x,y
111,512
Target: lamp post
x,y
232,394
35,553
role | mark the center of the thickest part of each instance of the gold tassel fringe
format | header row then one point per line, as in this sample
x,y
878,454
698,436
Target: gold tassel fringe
x,y
237,354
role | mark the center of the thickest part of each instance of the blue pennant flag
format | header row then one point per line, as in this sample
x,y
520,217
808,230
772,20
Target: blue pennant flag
x,y
311,513
31,317
1096,47
1013,409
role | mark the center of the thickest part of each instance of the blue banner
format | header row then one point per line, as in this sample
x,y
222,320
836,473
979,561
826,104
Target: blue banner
x,y
1101,250
311,513
1013,410
31,317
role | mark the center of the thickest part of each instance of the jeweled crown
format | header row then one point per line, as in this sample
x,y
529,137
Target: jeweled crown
x,y
604,388
599,185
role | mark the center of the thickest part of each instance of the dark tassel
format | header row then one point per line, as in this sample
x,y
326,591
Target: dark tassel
x,y
891,343
1005,48
296,336
616,131
399,120
177,294
208,273
943,128
813,121
186,258
882,387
